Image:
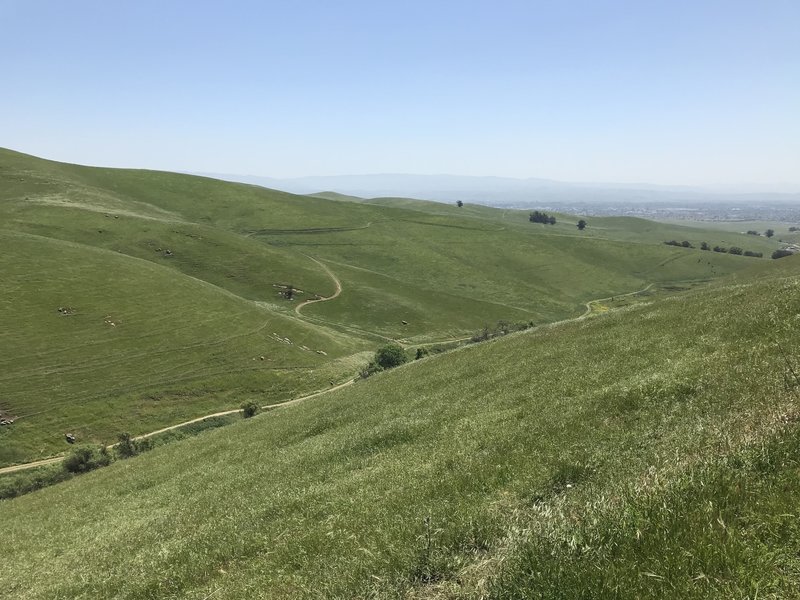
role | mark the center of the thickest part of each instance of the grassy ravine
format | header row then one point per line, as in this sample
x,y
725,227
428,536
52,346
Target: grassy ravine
x,y
522,467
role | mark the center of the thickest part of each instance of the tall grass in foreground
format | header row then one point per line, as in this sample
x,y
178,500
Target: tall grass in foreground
x,y
728,529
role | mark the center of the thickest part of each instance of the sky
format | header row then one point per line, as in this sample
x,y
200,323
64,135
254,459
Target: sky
x,y
688,92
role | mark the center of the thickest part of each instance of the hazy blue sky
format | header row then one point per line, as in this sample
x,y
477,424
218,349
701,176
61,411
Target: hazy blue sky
x,y
669,91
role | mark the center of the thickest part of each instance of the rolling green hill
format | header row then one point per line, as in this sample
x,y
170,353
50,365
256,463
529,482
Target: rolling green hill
x,y
98,342
191,271
649,452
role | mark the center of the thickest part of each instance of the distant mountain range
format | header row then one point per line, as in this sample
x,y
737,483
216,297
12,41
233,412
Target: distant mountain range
x,y
506,191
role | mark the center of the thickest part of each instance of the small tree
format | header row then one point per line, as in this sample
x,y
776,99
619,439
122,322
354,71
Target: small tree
x,y
581,224
391,355
249,409
735,250
705,246
459,204
289,292
769,233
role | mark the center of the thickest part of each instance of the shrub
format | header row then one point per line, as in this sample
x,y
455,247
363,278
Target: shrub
x,y
421,353
541,217
735,250
705,246
751,253
781,253
370,369
391,355
249,409
87,458
127,446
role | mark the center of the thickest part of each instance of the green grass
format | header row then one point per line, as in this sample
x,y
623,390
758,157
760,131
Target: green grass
x,y
453,475
143,347
190,326
725,530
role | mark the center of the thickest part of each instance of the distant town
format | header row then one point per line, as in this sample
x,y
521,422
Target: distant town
x,y
711,211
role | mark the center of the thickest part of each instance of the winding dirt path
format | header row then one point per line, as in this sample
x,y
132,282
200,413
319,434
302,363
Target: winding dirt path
x,y
588,305
336,282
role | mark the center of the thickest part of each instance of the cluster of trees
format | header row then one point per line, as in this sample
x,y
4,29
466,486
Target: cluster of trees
x,y
769,232
541,217
705,246
502,328
735,250
781,253
793,229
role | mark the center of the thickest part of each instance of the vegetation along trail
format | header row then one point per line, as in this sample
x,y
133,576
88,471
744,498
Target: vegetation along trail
x,y
269,407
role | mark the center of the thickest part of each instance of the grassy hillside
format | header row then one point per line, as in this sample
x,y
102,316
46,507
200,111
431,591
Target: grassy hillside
x,y
646,452
97,342
491,262
191,270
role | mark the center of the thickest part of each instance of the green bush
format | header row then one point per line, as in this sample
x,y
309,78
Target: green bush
x,y
87,458
370,369
127,446
249,409
391,355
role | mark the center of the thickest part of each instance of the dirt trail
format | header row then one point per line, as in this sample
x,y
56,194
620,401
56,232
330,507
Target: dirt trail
x,y
268,407
336,282
590,302
31,465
